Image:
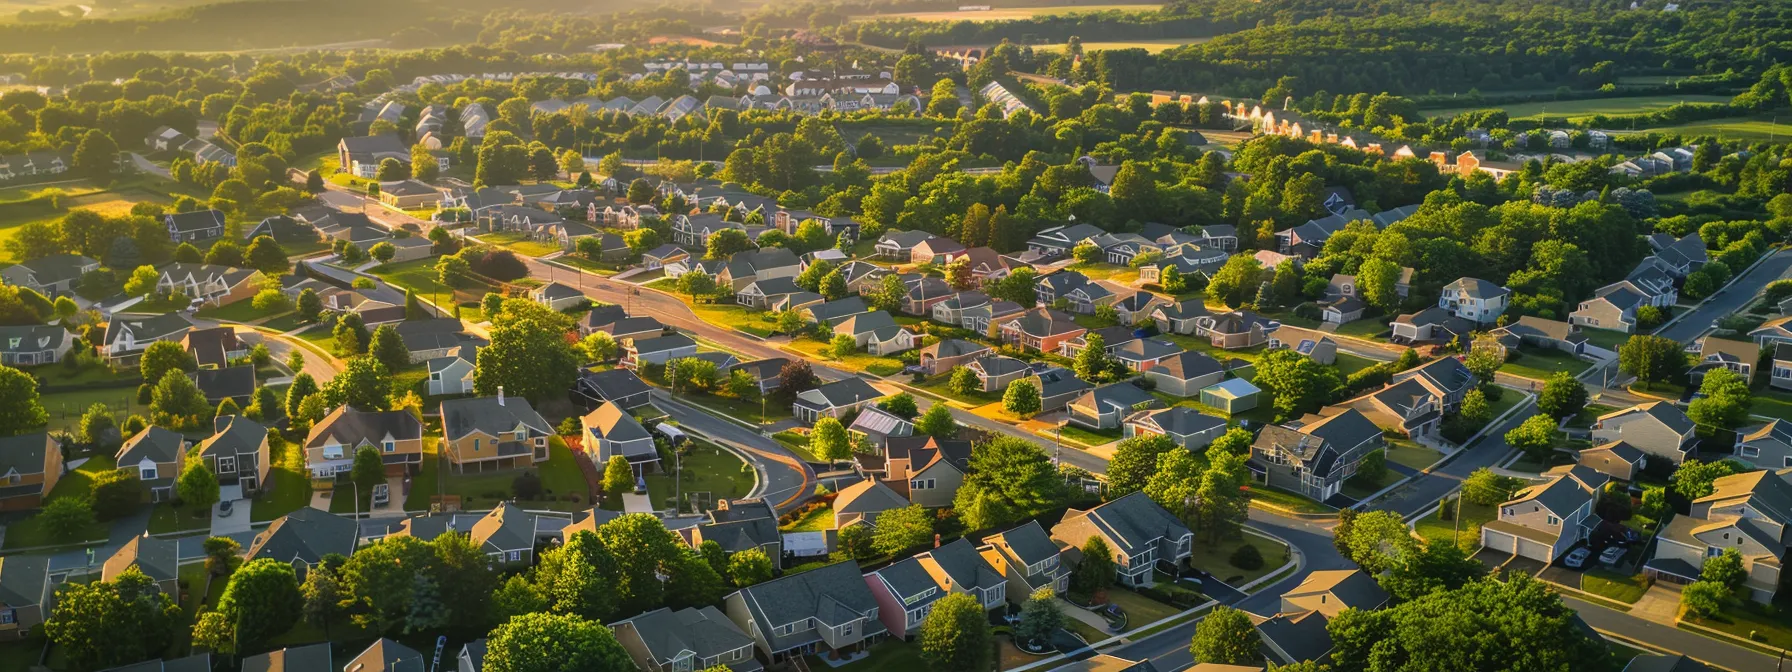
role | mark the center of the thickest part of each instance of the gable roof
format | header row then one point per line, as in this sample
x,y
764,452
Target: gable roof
x,y
833,595
349,426
233,435
846,391
1129,523
306,535
490,415
704,632
608,421
868,496
154,444
157,558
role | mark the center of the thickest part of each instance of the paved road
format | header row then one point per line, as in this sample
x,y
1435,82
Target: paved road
x,y
785,479
150,167
1730,300
1698,646
1422,493
341,198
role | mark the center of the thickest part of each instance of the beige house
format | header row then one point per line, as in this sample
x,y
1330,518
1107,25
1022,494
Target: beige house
x,y
1765,446
156,457
157,558
1749,512
862,502
1658,428
702,638
926,470
1028,559
493,433
1737,356
1186,373
1138,531
30,465
216,285
1330,592
827,611
330,447
1544,521
237,452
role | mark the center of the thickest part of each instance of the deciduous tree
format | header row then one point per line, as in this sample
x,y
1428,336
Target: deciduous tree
x,y
1225,637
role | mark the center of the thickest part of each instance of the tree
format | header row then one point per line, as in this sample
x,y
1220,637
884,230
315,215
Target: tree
x,y
1536,436
1236,280
223,556
943,101
1693,478
1652,359
1376,541
322,597
264,254
1039,617
1221,503
1017,474
579,577
363,383
391,169
1485,357
1225,637
225,253
176,402
116,494
1092,361
1705,599
749,567
310,306
20,408
1377,281
1724,401
552,642
1134,462
828,440
1021,399
1296,383
98,428
855,541
382,252
367,470
517,596
262,600
900,529
644,551
600,346
380,580
1562,395
796,376
302,386
901,405
388,348
349,335
96,155
1725,570
1096,572
528,356
104,624
963,381
1520,624
1485,488
955,634
640,192
197,485
937,423
164,356
619,477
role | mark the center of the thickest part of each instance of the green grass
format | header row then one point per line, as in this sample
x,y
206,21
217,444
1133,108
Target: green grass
x,y
285,323
65,408
1140,610
560,477
726,315
1435,528
942,385
1204,345
706,468
1609,584
886,657
1409,453
1009,13
1091,437
1589,414
1581,109
166,517
1772,404
814,350
1769,623
91,372
1348,364
1288,500
1368,328
240,311
596,267
1756,128
21,655
799,444
1605,338
817,519
1106,271
1216,558
78,483
1542,363
291,482
1262,413
419,275
1359,487
520,243
1151,46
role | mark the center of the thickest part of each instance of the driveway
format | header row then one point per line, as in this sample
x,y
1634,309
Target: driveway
x,y
238,520
1661,604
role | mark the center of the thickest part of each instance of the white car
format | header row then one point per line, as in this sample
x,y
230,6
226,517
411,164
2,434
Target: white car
x,y
1611,555
1577,558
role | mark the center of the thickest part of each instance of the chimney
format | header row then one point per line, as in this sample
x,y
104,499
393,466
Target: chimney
x,y
500,395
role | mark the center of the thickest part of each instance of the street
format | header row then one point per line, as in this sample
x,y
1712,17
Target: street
x,y
785,479
1728,301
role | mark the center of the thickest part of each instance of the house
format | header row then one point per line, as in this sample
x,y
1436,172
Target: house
x,y
657,350
1657,428
664,256
385,655
834,399
1028,559
1314,344
609,431
827,611
1780,373
951,310
30,345
361,155
1773,332
1236,330
1749,512
1187,427
978,318
876,332
762,293
1543,521
1057,240
51,276
874,426
1314,458
1612,307
618,386
33,465
1616,459
26,594
499,433
1180,317
233,382
1740,357
907,590
237,453
1144,354
1679,258
331,446
1040,330
156,457
1297,631
743,268
1445,377
1058,387
923,293
1049,287
924,469
1138,531
1541,333
620,327
995,372
947,354
936,250
693,231
832,312
194,227
215,285
1137,306
1106,407
899,245
1431,325
862,502
157,557
1231,397
701,638
408,194
1474,299
214,348
1331,591
450,376
506,535
1662,662
766,373
557,296
304,537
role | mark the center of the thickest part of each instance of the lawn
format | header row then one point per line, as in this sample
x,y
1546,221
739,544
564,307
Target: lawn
x,y
799,444
813,350
419,275
817,519
1263,413
1541,363
1582,109
65,408
603,268
1609,584
560,477
166,517
1090,437
1348,364
91,372
886,657
1007,13
1757,128
78,483
1589,415
941,385
1140,610
1474,515
240,311
520,243
1772,404
1150,46
747,410
1769,623
1204,345
291,489
1409,453
1287,500
1106,271
1359,487
1216,558
1372,329
705,469
1605,338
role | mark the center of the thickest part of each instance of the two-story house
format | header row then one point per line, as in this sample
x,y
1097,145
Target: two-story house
x,y
1315,458
609,430
826,611
1050,287
26,595
907,590
1612,307
1040,330
305,537
30,465
1106,407
51,276
1739,357
128,335
1058,240
215,285
1028,560
156,557
1475,300
1780,371
1136,530
156,457
738,525
1445,377
1185,426
237,453
1542,522
947,354
924,469
834,399
689,639
1749,512
194,227
1658,428
486,433
33,344
331,446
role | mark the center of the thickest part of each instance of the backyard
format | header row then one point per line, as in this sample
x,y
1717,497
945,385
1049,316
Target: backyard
x,y
561,482
705,469
1772,404
1541,363
290,486
520,243
859,360
240,311
420,276
814,520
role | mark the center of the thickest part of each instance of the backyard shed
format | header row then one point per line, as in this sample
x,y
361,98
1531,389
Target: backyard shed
x,y
1233,396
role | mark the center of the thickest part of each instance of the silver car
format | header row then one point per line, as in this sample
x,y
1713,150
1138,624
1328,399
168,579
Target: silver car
x,y
1577,558
1611,555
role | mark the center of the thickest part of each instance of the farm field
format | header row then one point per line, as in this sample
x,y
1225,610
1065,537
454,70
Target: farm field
x,y
1152,46
1575,109
1008,13
1759,128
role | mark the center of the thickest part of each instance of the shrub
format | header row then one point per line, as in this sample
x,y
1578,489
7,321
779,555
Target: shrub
x,y
499,265
1247,558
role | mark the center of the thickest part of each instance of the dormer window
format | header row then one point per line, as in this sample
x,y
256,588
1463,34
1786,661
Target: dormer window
x,y
390,446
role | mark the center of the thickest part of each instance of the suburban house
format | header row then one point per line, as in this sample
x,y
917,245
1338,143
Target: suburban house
x,y
874,426
215,285
1406,407
1186,373
1106,407
1445,377
1679,258
1750,512
1137,306
1181,317
499,433
1616,459
1773,332
26,594
924,469
1543,521
1739,357
1144,354
1050,287
828,611
385,655
231,382
156,457
1612,307
862,502
763,292
194,227
156,557
657,350
1028,560
1658,428
361,155
1780,375
610,430
619,386
1040,330
427,339
947,354
450,376
51,276
1187,427
1475,300
237,453
995,372
767,374
33,464
1317,345
622,328
1138,531
1231,396
899,245
302,538
1058,240
214,348
907,590
745,267
1538,332
1297,631
331,446
1431,325
689,639
876,332
30,345
1235,330
1314,458
1766,446
557,296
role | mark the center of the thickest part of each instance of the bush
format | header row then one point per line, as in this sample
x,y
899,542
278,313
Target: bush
x,y
1247,558
499,265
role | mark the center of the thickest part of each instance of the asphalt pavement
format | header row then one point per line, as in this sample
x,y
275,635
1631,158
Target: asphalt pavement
x,y
1730,300
785,480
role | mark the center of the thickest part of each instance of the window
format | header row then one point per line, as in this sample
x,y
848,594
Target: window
x,y
921,484
391,446
8,617
514,556
333,452
1750,451
1552,520
147,473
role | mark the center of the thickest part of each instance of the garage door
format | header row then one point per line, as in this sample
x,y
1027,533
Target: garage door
x,y
1498,541
1535,550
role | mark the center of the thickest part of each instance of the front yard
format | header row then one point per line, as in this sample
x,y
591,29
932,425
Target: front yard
x,y
1436,528
1588,415
815,520
941,385
1090,437
1612,585
1772,404
1605,338
705,469
1765,623
1368,328
1348,363
1540,363
726,315
814,350
1409,453
240,311
419,276
30,531
562,483
1216,558
520,243
799,444
1284,499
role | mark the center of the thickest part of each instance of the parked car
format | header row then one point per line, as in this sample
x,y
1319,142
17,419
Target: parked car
x,y
224,509
1611,555
1577,558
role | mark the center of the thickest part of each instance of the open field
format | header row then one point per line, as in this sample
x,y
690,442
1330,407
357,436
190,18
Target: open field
x,y
1152,46
1758,128
1577,109
1008,13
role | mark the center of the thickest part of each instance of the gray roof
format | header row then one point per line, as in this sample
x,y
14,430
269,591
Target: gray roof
x,y
158,559
475,653
998,365
762,369
613,384
847,391
1056,382
198,662
1344,430
1184,421
610,422
145,327
307,658
954,347
625,325
554,291
306,535
960,561
908,579
1188,365
662,343
491,415
233,435
23,579
350,427
1477,288
832,595
196,220
1132,522
32,338
1302,636
1146,349
386,655
832,310
25,453
228,382
864,323
1661,662
1561,496
507,528
430,333
154,443
776,286
703,631
57,267
868,496
1029,542
1122,396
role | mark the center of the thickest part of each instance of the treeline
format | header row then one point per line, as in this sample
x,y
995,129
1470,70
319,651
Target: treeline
x,y
1093,26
